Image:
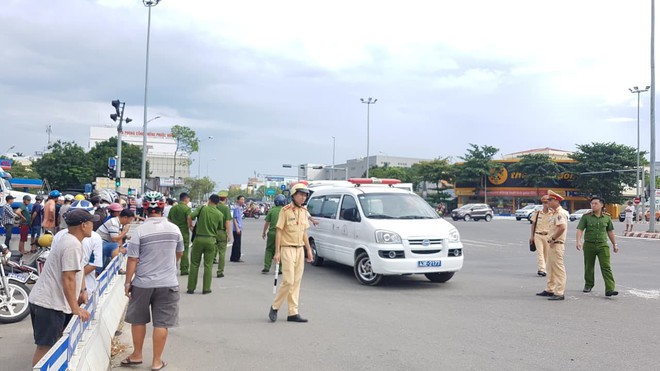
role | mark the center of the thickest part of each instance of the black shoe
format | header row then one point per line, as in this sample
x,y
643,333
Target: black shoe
x,y
541,273
279,272
215,261
556,297
184,273
220,275
296,318
612,293
586,289
265,271
272,314
190,292
206,292
545,293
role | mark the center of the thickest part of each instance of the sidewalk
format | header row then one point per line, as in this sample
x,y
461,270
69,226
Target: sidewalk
x,y
640,230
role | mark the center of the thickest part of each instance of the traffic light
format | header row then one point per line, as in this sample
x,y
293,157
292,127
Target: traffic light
x,y
117,182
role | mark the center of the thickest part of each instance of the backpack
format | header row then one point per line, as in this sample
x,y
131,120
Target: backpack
x,y
103,217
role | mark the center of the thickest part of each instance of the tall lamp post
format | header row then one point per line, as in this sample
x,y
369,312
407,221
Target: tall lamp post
x,y
119,113
636,90
368,102
199,163
333,158
143,174
652,180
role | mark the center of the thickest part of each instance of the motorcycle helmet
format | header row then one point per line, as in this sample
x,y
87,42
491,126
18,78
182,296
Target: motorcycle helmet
x,y
68,197
45,240
39,198
115,207
280,200
153,200
82,204
107,196
54,194
79,197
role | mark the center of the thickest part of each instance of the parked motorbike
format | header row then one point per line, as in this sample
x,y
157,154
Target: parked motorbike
x,y
32,264
14,292
254,213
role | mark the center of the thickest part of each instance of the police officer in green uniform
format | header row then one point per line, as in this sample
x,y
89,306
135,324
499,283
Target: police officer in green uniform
x,y
222,239
179,215
209,221
596,226
270,231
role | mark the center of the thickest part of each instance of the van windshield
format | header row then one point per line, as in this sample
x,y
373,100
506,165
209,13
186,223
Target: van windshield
x,y
7,184
395,206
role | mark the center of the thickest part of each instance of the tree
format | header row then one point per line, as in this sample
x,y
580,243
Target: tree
x,y
19,170
537,169
403,174
131,158
65,166
434,171
609,158
186,140
478,165
199,189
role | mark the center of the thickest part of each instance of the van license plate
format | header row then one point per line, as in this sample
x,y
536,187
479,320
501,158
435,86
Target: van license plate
x,y
429,263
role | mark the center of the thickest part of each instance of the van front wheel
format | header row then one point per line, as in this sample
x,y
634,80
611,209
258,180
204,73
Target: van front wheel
x,y
364,272
439,277
316,259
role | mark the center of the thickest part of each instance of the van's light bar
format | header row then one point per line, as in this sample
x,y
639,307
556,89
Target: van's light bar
x,y
359,181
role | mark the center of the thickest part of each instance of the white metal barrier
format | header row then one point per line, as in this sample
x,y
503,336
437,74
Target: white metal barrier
x,y
87,345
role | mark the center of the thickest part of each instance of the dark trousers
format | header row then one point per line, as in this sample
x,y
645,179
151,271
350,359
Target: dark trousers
x,y
9,228
236,248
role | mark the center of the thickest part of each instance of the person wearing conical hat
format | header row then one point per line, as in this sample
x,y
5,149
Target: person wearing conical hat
x,y
556,238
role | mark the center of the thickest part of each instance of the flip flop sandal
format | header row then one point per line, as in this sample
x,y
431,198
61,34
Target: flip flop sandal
x,y
128,362
161,366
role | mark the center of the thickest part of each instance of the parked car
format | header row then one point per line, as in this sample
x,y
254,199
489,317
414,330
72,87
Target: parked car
x,y
381,230
622,216
473,212
529,216
525,212
577,215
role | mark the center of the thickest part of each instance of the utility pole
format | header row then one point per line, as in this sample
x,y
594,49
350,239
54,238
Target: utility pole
x,y
652,180
333,158
368,102
636,90
119,114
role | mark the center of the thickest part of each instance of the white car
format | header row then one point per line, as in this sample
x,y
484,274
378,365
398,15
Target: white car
x,y
524,212
576,216
381,230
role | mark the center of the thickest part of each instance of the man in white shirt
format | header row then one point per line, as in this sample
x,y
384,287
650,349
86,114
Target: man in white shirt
x,y
630,213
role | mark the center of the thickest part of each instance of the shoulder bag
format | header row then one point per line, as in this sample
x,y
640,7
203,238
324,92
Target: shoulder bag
x,y
532,245
194,230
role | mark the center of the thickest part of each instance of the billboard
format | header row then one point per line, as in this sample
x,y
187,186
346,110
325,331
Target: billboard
x,y
507,178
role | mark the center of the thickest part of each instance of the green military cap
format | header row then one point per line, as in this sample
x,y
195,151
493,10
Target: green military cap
x,y
224,194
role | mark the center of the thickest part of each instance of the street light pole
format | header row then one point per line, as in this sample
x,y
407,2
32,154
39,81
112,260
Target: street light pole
x,y
652,180
119,114
368,102
636,90
333,158
199,163
143,174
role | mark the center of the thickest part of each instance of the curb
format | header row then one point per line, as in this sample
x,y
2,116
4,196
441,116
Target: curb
x,y
642,235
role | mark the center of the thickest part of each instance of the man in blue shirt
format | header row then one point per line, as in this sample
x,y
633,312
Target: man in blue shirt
x,y
237,214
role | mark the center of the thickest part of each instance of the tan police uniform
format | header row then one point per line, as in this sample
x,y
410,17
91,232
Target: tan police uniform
x,y
292,225
542,220
556,271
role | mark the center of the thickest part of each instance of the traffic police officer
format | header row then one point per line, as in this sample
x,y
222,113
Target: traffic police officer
x,y
179,215
223,238
270,231
540,229
596,226
290,239
556,238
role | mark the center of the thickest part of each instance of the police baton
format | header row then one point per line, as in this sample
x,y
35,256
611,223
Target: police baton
x,y
275,281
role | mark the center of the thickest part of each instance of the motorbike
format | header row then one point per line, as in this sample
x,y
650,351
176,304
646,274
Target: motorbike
x,y
14,292
30,265
252,213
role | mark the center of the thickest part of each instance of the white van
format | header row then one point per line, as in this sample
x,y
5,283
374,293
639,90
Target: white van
x,y
381,230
